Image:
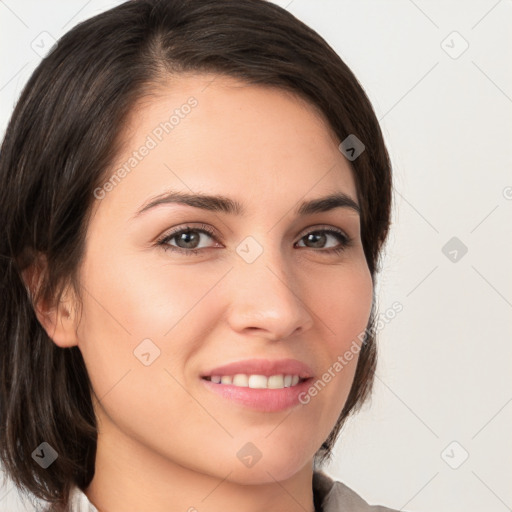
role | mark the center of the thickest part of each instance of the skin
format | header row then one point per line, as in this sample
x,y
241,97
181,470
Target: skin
x,y
165,442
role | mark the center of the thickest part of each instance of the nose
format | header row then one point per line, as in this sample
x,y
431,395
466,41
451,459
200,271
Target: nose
x,y
267,301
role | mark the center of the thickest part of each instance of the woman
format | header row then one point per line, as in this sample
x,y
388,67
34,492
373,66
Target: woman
x,y
195,197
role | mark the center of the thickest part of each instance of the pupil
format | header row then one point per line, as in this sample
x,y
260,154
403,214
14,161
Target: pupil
x,y
318,237
188,234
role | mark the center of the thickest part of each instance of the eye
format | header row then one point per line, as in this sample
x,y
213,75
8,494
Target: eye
x,y
319,237
189,237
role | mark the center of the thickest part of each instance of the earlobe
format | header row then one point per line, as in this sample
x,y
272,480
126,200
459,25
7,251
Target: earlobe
x,y
56,318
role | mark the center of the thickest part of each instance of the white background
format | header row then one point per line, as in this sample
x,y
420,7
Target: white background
x,y
445,360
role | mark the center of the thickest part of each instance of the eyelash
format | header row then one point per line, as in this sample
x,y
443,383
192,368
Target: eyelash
x,y
345,240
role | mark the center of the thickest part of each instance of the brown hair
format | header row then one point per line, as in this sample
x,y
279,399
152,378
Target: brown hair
x,y
59,144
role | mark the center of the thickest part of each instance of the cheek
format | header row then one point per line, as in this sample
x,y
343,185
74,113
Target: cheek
x,y
128,302
342,309
343,304
137,299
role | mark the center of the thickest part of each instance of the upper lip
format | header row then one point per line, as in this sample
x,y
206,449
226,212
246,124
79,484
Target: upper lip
x,y
265,367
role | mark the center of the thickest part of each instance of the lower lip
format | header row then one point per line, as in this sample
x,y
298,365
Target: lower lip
x,y
264,400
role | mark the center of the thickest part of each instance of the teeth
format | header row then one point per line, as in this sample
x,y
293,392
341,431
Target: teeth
x,y
257,381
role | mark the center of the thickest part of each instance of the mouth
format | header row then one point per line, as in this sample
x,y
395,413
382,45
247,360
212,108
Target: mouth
x,y
255,381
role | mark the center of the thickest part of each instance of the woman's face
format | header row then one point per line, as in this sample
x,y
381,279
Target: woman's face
x,y
156,319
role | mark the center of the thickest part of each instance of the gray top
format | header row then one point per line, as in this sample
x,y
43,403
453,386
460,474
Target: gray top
x,y
333,496
328,495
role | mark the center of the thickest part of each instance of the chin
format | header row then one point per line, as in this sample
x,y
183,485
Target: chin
x,y
276,465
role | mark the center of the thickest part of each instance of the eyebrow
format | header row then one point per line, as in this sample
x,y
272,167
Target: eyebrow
x,y
223,204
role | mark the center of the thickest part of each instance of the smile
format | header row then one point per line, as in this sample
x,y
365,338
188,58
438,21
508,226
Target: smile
x,y
256,381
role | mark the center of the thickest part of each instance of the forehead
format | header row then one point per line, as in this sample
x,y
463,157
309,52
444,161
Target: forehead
x,y
218,134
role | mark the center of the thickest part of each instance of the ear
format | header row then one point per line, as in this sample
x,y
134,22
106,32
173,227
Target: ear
x,y
57,319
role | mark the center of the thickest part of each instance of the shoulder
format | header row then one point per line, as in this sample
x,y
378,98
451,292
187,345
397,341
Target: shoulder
x,y
334,496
